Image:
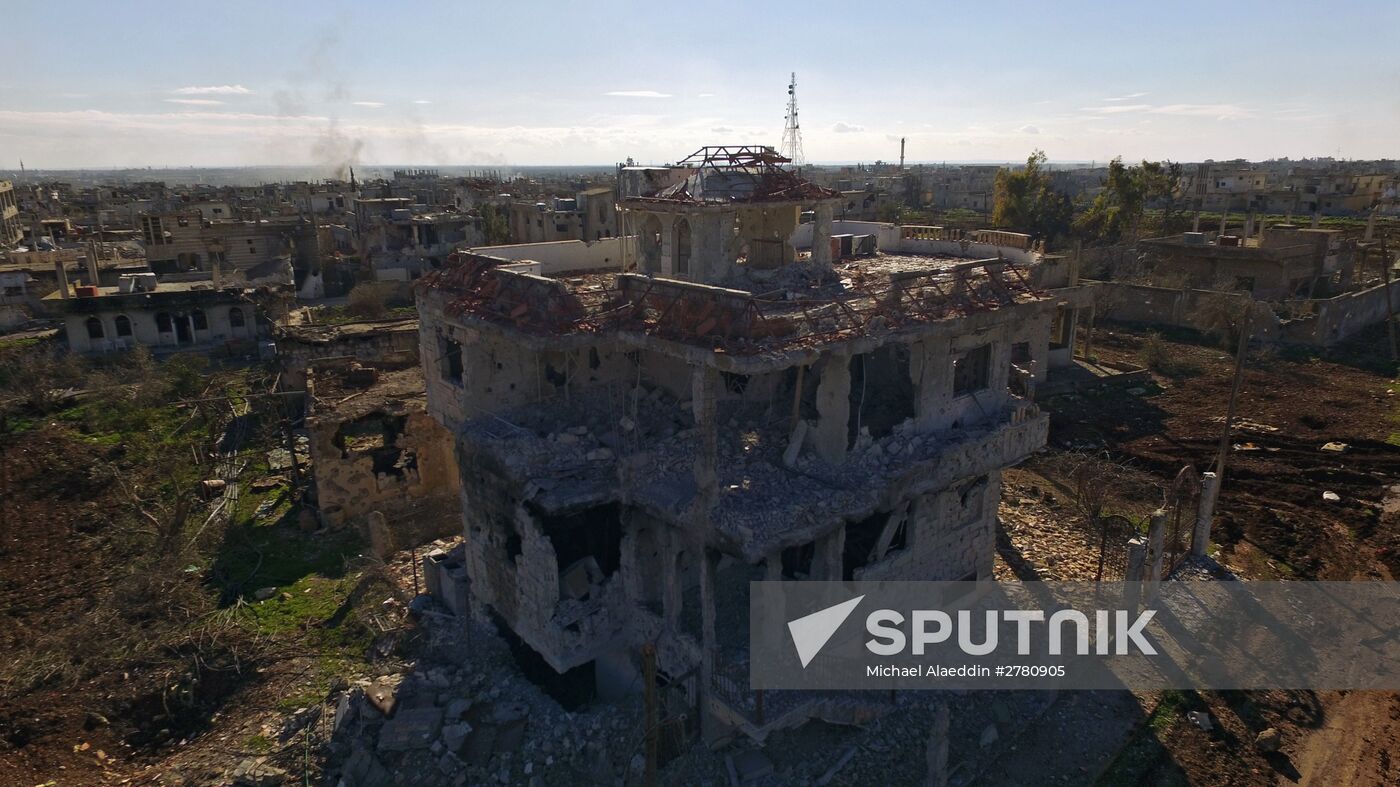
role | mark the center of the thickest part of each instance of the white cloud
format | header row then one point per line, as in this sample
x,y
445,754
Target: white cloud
x,y
1127,97
1219,111
706,95
846,128
722,130
637,94
212,90
197,102
368,104
1028,129
421,101
1118,109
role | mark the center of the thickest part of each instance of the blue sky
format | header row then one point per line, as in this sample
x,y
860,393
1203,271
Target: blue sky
x,y
521,82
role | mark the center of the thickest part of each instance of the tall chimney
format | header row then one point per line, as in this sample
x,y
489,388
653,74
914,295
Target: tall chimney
x,y
62,279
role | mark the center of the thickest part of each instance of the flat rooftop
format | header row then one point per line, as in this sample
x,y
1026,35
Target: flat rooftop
x,y
755,310
349,390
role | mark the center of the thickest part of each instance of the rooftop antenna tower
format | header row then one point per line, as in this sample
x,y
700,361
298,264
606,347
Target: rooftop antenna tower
x,y
792,131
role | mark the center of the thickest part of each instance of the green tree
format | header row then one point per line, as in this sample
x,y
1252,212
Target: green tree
x,y
1026,200
494,227
1116,213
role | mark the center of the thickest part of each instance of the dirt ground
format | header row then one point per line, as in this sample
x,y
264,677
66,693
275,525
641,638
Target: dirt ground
x,y
1273,522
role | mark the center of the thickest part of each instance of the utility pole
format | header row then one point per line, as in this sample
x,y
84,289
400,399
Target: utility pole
x,y
1223,450
1389,301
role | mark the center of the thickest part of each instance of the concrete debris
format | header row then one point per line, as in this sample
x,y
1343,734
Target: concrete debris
x,y
1201,719
1331,497
1268,741
414,728
1335,447
256,772
748,767
382,697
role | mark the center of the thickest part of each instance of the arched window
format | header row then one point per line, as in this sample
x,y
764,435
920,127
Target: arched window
x,y
163,323
235,317
123,325
683,248
201,323
94,328
650,243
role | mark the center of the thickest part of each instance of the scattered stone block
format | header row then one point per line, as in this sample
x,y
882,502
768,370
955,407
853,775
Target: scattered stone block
x,y
1268,741
411,729
382,697
454,736
1335,447
255,772
989,736
751,766
1201,719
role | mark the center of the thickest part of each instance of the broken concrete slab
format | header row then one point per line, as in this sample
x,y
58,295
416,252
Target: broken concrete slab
x,y
752,765
414,728
256,772
383,697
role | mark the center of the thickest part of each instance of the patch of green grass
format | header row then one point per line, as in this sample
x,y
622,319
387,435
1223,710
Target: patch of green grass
x,y
258,744
19,344
340,315
1142,755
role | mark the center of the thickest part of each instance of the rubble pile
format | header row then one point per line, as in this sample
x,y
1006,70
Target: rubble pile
x,y
465,714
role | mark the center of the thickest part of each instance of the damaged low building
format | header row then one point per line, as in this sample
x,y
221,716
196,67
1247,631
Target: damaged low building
x,y
738,400
374,447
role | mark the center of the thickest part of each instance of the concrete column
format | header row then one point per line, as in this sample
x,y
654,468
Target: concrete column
x,y
937,751
821,235
828,556
704,386
773,567
833,408
1224,217
1156,543
672,588
62,276
668,246
709,725
92,264
1137,558
1210,489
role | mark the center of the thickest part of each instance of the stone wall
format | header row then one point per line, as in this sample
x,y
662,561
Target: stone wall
x,y
396,461
142,326
368,341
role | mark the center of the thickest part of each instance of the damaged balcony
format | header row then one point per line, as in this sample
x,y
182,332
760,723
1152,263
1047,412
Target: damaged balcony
x,y
586,452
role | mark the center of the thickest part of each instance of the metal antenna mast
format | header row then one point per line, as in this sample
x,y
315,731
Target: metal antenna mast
x,y
792,131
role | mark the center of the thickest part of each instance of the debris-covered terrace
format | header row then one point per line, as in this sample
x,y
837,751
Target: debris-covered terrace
x,y
765,311
566,454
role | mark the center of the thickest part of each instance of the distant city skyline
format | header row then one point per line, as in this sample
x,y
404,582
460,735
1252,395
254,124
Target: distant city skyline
x,y
103,85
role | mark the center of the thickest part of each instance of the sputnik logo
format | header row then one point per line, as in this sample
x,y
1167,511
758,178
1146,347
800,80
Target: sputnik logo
x,y
810,633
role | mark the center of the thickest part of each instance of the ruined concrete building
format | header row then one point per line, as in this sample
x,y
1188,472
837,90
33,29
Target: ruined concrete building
x,y
744,397
375,448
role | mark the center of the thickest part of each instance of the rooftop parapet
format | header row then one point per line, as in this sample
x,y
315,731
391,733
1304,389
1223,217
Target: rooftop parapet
x,y
887,293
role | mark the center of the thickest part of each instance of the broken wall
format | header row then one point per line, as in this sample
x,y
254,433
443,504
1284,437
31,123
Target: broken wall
x,y
398,463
